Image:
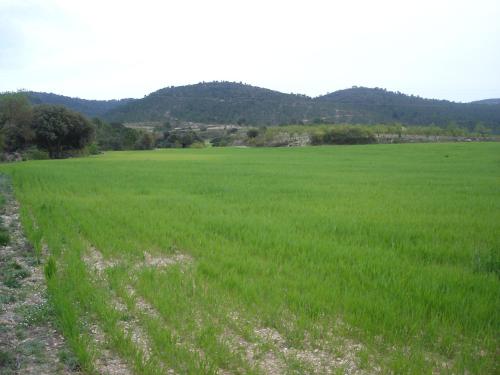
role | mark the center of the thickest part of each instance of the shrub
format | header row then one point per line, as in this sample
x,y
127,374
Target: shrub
x,y
60,130
15,122
343,135
252,133
34,153
317,138
7,361
198,144
4,237
93,149
219,141
13,273
146,141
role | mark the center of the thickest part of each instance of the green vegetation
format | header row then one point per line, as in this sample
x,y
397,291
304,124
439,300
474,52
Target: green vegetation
x,y
51,131
7,361
233,103
394,247
54,129
59,130
89,108
376,105
236,103
216,103
178,139
347,135
4,236
12,274
116,136
320,134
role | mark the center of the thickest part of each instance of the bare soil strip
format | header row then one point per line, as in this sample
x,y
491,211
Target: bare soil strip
x,y
96,261
107,361
270,352
132,326
29,341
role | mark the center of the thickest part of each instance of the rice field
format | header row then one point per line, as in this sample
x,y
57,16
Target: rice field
x,y
353,259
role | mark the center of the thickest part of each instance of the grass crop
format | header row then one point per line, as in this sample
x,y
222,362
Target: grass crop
x,y
395,247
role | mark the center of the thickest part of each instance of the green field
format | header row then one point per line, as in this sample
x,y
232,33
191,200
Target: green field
x,y
287,260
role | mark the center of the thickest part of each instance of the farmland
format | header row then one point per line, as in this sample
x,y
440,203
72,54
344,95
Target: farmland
x,y
293,260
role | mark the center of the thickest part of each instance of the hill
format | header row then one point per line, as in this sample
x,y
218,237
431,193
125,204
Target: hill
x,y
215,102
494,101
227,102
376,105
90,108
232,103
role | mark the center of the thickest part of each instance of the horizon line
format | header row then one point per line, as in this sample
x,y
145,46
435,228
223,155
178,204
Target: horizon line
x,y
20,90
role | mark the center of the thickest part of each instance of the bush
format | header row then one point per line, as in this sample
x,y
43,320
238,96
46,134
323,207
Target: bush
x,y
93,149
317,138
15,122
177,139
13,273
219,141
146,141
7,361
252,133
198,145
34,153
60,131
4,237
343,135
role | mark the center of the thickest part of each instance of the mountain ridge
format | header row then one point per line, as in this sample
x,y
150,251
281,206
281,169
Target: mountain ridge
x,y
492,101
89,107
231,102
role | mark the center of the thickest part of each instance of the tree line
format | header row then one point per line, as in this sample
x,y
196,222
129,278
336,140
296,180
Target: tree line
x,y
54,131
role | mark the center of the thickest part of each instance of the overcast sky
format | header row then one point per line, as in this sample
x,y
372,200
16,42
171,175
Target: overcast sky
x,y
447,49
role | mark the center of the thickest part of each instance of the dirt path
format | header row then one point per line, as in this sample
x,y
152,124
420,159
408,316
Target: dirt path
x,y
29,342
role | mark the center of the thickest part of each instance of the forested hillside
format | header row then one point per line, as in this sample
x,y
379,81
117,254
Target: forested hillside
x,y
237,103
375,105
225,102
488,101
90,108
216,102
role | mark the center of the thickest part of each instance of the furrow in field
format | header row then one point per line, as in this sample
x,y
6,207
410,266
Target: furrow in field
x,y
268,362
269,351
136,308
107,363
130,327
144,307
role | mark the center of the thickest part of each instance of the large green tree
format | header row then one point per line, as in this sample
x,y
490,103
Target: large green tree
x,y
15,122
59,130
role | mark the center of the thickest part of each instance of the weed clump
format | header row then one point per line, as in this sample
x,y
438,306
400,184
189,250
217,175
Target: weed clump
x,y
70,360
50,268
4,237
7,360
13,273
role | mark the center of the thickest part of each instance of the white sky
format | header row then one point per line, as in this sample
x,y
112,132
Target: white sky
x,y
102,49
